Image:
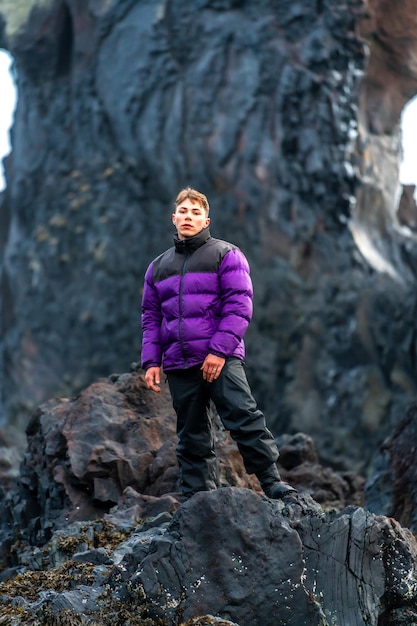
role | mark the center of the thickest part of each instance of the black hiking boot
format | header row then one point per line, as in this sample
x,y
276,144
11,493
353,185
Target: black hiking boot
x,y
272,484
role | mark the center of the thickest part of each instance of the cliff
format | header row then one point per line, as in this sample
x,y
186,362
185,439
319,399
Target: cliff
x,y
286,115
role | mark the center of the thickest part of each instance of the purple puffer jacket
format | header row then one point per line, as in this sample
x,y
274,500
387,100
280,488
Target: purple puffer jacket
x,y
197,299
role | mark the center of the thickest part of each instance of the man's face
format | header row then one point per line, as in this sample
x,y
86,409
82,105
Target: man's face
x,y
189,218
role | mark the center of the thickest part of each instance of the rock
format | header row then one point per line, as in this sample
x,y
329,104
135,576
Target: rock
x,y
288,117
230,553
235,555
300,555
392,488
207,620
98,556
407,210
296,449
110,452
301,468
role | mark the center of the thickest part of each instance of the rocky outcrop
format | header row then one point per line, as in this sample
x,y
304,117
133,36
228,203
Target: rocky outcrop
x,y
114,446
230,553
262,560
94,530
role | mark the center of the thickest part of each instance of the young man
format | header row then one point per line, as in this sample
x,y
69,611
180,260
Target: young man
x,y
196,307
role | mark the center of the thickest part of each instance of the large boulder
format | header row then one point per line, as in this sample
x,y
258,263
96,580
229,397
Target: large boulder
x,y
257,562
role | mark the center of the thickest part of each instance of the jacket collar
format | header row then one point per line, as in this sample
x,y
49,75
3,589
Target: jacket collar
x,y
190,244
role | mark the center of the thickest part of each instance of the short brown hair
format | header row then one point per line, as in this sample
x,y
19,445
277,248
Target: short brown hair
x,y
193,195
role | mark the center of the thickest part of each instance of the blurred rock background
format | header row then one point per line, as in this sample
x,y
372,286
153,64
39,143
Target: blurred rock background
x,y
286,114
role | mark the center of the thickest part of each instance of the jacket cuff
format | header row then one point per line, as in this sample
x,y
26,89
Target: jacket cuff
x,y
146,366
217,353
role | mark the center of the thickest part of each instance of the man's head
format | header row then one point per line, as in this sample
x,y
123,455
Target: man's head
x,y
191,213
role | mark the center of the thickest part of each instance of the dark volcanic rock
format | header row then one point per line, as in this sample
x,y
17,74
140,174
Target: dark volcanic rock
x,y
232,554
286,114
251,560
111,450
407,211
114,444
393,486
94,529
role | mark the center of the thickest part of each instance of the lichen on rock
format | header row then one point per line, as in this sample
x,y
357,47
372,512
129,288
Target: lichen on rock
x,y
16,13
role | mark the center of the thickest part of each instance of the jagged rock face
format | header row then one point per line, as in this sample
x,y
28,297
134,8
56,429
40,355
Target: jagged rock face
x,y
302,568
256,104
393,488
94,528
229,553
390,81
114,446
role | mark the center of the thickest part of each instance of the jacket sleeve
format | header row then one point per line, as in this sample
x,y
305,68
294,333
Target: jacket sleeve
x,y
236,293
151,324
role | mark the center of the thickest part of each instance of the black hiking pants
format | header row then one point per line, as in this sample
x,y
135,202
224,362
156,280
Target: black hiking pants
x,y
238,411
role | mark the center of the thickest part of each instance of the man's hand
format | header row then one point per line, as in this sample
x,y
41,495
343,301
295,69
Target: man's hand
x,y
212,367
153,378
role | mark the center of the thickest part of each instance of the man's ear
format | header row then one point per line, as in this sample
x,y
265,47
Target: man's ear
x,y
207,221
173,218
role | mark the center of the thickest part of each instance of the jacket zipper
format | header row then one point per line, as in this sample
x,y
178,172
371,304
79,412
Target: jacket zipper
x,y
181,310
